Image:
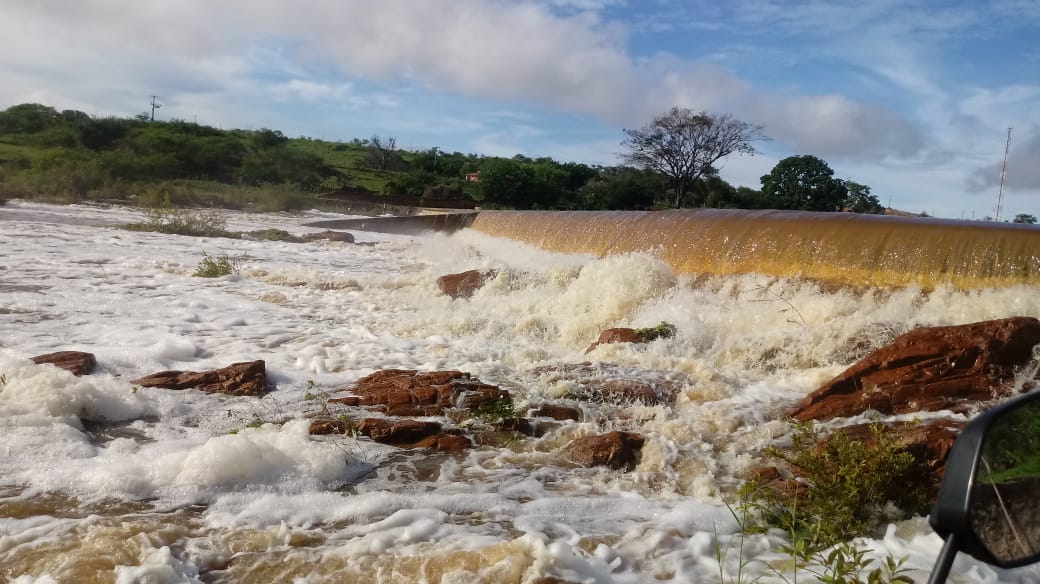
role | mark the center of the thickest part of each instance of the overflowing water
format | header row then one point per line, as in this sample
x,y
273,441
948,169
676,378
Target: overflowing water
x,y
104,482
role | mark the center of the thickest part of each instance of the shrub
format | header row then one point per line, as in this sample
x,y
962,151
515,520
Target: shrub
x,y
215,267
208,223
852,488
274,235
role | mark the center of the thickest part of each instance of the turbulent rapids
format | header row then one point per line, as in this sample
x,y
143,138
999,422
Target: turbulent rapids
x,y
103,481
841,248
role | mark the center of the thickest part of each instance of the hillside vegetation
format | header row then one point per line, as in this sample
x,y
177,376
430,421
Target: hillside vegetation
x,y
70,156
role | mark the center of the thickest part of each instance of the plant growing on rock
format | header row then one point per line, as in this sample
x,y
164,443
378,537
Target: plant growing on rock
x,y
851,488
661,331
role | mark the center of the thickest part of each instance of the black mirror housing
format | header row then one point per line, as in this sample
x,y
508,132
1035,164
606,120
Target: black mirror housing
x,y
989,500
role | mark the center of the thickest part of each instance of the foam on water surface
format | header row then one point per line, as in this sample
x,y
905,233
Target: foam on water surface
x,y
105,482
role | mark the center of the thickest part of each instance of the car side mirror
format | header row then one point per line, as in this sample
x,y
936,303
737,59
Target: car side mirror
x,y
989,501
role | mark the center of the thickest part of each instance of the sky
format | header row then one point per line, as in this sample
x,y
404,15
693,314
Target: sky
x,y
913,98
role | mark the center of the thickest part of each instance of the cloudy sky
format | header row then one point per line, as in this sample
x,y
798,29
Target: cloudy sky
x,y
911,97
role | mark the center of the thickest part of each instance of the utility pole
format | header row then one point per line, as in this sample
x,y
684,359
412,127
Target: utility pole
x,y
1003,173
155,105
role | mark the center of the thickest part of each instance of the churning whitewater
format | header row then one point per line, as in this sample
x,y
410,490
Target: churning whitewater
x,y
103,481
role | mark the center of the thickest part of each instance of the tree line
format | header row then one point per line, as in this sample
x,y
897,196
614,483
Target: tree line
x,y
670,162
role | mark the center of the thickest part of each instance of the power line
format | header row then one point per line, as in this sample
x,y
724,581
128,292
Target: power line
x,y
155,105
1003,173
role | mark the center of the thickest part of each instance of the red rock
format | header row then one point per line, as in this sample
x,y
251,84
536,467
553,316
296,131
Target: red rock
x,y
558,412
329,427
616,335
248,378
76,362
464,284
929,369
617,450
406,392
397,432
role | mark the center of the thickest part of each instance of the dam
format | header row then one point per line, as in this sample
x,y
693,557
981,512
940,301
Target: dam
x,y
844,249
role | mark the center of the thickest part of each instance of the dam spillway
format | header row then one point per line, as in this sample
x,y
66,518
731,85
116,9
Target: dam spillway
x,y
835,248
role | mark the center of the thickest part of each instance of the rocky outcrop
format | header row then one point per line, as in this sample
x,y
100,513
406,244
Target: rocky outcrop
x,y
929,369
247,378
617,450
608,383
404,392
464,284
76,362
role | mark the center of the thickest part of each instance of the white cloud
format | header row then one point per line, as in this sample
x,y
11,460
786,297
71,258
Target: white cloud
x,y
118,51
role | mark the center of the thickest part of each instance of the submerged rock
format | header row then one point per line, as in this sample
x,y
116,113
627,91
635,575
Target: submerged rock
x,y
464,284
617,450
929,369
247,378
76,362
608,383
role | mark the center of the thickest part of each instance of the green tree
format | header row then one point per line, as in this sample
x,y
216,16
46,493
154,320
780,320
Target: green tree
x,y
684,146
622,187
804,183
27,118
506,182
1024,218
859,199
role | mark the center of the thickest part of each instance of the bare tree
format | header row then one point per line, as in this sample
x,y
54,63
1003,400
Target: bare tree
x,y
381,154
684,146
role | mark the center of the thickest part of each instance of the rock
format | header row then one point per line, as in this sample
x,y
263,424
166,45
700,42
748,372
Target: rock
x,y
631,335
76,362
464,284
247,378
929,369
329,235
325,427
397,432
557,412
606,382
616,335
617,450
404,392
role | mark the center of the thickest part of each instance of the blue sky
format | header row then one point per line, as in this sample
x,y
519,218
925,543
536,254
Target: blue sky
x,y
913,97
